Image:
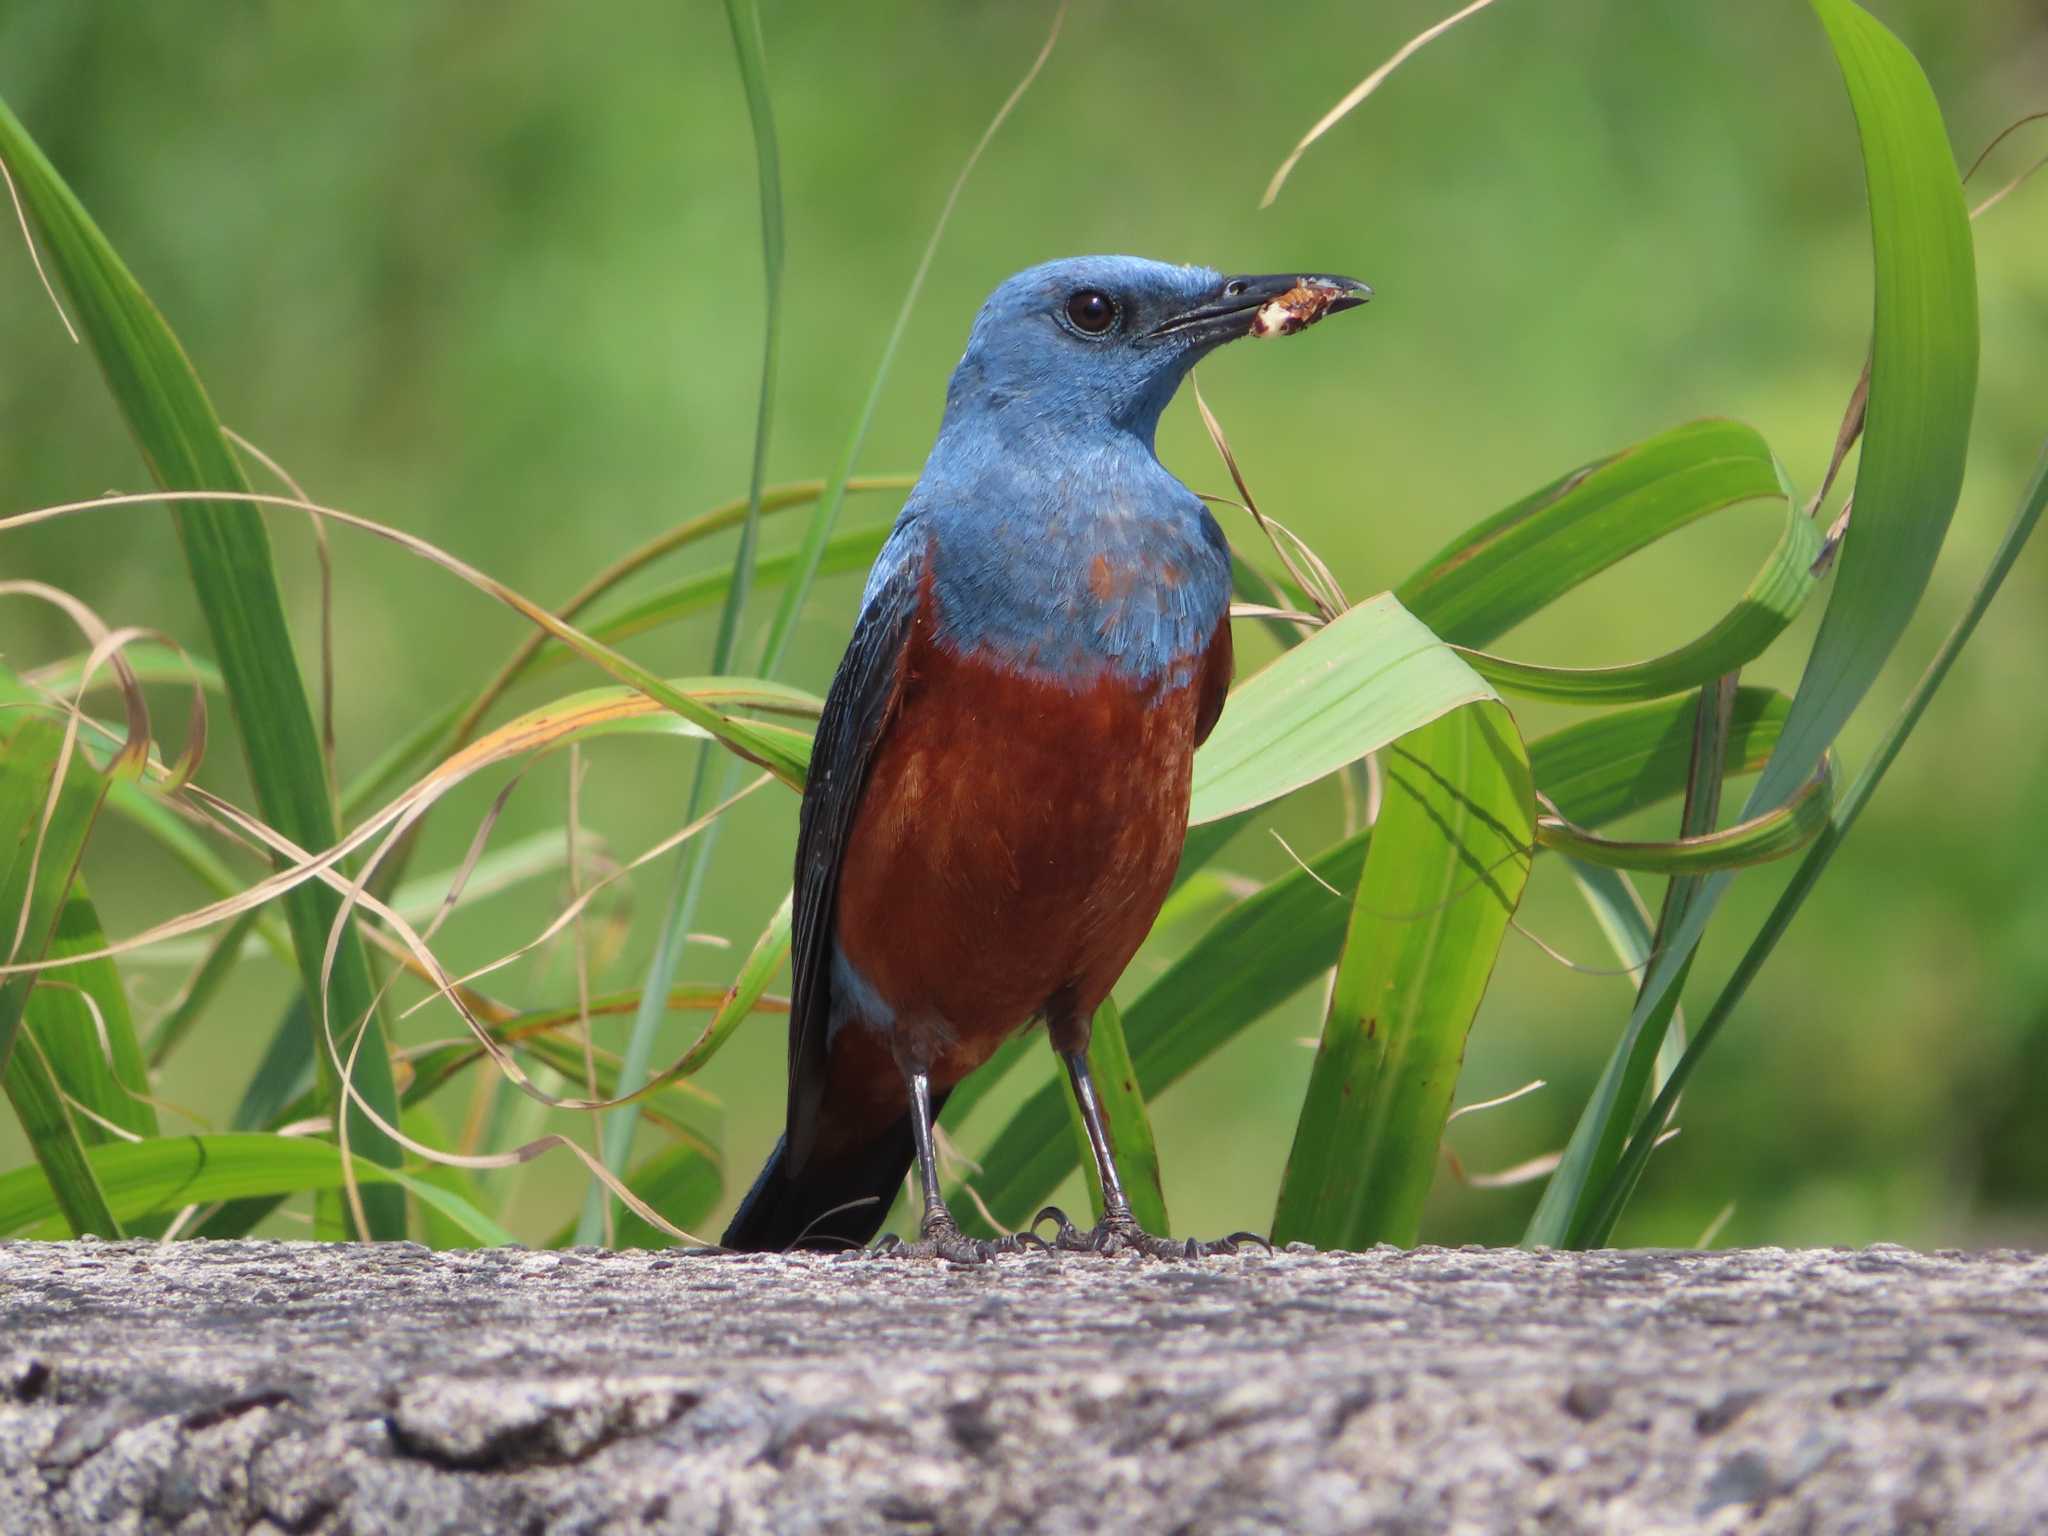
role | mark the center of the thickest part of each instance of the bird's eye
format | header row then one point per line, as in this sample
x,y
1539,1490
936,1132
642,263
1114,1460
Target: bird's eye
x,y
1092,311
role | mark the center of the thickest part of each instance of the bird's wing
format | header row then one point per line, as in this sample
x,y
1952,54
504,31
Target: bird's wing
x,y
857,711
1219,665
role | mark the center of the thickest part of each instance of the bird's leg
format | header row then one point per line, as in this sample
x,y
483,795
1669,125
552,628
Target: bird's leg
x,y
940,1236
938,1227
1119,1230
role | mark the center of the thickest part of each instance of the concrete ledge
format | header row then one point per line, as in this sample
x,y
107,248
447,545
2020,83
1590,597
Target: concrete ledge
x,y
299,1388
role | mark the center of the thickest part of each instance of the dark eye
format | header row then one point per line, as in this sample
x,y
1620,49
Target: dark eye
x,y
1092,311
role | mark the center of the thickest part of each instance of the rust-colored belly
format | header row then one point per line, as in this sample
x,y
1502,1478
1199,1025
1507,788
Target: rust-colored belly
x,y
1012,848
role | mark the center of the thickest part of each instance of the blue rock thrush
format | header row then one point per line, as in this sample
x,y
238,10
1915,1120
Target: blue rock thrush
x,y
999,787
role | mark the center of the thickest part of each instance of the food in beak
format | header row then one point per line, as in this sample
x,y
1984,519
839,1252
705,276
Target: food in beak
x,y
1295,310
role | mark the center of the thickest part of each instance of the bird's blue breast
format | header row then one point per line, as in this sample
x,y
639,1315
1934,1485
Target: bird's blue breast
x,y
1068,563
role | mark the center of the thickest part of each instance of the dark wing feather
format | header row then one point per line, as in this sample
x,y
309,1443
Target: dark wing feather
x,y
1219,665
857,711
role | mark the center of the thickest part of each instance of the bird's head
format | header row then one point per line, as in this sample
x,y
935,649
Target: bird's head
x,y
1107,339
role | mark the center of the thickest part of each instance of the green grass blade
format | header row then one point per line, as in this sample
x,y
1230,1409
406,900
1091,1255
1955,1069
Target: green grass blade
x,y
142,1178
65,1167
1368,677
150,661
41,840
1923,381
1774,834
1771,602
1631,1067
286,1067
1614,1196
1625,923
745,23
439,1229
1536,551
1523,559
104,1077
227,554
1922,386
458,1214
694,859
1449,856
1600,769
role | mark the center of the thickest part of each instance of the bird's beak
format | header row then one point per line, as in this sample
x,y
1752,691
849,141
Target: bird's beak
x,y
1274,304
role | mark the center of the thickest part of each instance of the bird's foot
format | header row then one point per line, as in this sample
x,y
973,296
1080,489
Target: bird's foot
x,y
1119,1232
943,1239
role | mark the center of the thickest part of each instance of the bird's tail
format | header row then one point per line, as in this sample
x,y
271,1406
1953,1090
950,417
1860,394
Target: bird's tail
x,y
837,1202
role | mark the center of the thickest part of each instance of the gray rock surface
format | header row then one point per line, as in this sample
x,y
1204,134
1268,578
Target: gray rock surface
x,y
297,1388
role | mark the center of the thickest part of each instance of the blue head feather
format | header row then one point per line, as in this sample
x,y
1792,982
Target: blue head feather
x,y
1027,357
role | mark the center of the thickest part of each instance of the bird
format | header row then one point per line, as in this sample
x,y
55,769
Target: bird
x,y
998,786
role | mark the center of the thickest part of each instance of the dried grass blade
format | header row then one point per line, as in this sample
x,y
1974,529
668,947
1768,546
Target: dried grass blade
x,y
1360,91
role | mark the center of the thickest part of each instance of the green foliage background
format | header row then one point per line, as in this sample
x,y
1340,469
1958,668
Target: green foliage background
x,y
494,277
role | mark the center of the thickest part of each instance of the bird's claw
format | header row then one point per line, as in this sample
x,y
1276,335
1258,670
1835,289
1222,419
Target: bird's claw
x,y
1068,1238
945,1240
1119,1232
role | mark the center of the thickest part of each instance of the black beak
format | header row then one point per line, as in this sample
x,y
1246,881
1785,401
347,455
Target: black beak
x,y
1274,303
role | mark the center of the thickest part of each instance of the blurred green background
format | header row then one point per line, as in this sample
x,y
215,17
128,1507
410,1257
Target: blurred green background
x,y
493,276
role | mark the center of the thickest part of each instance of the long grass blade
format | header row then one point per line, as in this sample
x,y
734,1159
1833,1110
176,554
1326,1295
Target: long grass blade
x,y
1360,91
1524,558
1448,859
1356,684
1624,920
1773,834
228,557
1923,374
1630,1070
48,800
749,49
694,861
167,1173
81,1018
1613,1197
683,1181
1770,603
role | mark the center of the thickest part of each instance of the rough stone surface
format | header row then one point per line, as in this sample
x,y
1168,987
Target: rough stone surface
x,y
298,1388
